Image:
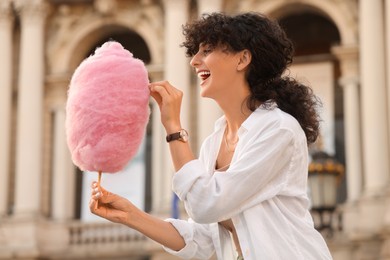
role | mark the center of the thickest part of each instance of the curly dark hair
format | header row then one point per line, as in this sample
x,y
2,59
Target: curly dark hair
x,y
271,51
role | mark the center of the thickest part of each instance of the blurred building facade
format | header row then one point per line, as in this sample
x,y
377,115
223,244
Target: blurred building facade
x,y
342,51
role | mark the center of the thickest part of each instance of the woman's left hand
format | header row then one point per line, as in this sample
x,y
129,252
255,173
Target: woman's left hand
x,y
169,100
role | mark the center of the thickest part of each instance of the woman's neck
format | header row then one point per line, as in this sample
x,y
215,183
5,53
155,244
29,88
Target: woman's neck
x,y
233,104
235,114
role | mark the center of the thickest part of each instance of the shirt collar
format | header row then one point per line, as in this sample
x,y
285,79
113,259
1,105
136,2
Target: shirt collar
x,y
250,121
221,122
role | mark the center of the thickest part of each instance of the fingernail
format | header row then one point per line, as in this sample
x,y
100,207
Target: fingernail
x,y
94,185
97,195
96,189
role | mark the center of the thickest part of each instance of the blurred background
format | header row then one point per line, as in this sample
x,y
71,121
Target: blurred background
x,y
342,52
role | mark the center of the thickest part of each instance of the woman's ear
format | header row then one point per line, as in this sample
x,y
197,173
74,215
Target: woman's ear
x,y
245,58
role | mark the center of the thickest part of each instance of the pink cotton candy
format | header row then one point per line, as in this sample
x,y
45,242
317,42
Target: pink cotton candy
x,y
107,109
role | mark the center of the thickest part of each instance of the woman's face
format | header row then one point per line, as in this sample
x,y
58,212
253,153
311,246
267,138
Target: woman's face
x,y
217,70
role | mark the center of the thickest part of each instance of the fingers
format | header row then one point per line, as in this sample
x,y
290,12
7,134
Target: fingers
x,y
93,205
96,208
164,91
101,194
157,95
163,84
96,190
95,195
169,100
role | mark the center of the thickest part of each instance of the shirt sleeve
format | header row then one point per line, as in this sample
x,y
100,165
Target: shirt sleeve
x,y
258,173
199,244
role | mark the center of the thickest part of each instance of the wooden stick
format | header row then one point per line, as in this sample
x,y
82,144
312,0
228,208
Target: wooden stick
x,y
99,180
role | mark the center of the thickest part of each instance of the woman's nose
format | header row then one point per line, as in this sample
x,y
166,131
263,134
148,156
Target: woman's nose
x,y
194,61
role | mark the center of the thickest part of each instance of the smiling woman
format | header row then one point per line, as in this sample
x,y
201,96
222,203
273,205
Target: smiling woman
x,y
246,193
211,64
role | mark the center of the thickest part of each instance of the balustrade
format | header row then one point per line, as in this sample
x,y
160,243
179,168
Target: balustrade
x,y
112,239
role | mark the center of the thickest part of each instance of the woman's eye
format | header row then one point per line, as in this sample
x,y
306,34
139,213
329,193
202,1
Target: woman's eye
x,y
206,51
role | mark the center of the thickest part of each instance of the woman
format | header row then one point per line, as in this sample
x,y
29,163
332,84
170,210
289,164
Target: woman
x,y
246,194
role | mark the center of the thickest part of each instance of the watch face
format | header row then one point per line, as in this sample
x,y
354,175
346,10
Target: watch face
x,y
183,135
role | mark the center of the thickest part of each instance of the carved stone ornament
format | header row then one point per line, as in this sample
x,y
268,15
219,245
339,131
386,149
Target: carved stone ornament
x,y
5,9
32,8
105,7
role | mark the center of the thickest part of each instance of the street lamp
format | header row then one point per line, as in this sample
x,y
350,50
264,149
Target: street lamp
x,y
324,177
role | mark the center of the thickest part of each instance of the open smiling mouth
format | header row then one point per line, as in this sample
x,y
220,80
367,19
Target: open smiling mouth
x,y
203,75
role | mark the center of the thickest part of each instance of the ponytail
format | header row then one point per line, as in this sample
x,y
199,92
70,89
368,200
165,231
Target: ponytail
x,y
293,98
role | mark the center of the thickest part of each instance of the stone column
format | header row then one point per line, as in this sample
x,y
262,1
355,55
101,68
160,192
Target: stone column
x,y
63,171
352,137
373,95
374,115
6,22
159,159
63,176
176,63
208,110
30,108
387,17
176,71
348,58
385,254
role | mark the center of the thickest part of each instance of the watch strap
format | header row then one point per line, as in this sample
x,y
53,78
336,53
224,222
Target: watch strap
x,y
172,137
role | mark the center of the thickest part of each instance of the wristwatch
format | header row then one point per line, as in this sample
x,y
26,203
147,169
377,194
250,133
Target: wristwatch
x,y
182,136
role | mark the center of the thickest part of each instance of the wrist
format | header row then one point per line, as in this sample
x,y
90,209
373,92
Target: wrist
x,y
181,135
131,219
172,129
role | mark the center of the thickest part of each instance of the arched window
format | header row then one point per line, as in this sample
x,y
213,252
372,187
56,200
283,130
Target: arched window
x,y
311,33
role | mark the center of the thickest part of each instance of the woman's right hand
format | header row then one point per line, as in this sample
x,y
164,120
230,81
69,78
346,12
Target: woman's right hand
x,y
169,101
109,205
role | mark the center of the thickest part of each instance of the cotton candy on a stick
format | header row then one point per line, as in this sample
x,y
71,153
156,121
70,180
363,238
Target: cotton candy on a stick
x,y
107,109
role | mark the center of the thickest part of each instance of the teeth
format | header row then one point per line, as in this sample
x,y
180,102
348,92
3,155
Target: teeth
x,y
203,74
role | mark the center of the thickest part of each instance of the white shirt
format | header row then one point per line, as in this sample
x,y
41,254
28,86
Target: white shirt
x,y
263,192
